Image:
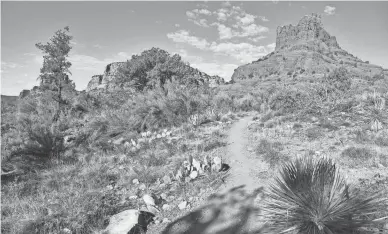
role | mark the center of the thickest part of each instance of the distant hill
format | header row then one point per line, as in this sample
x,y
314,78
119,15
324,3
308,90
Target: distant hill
x,y
150,68
306,49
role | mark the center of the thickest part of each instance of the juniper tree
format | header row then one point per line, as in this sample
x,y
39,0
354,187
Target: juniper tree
x,y
54,73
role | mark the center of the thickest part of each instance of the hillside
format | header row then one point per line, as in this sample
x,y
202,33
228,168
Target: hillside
x,y
306,49
145,70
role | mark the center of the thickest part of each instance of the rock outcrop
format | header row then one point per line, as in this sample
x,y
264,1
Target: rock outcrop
x,y
104,81
144,65
305,49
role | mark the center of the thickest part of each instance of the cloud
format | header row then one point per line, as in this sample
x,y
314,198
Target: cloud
x,y
223,70
256,39
98,46
244,52
9,65
246,19
177,25
263,18
124,55
184,36
329,10
224,31
271,47
195,16
275,1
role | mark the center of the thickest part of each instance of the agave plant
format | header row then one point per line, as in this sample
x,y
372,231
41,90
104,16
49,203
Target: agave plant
x,y
311,197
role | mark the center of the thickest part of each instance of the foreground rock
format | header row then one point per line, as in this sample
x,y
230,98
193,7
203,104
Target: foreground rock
x,y
129,221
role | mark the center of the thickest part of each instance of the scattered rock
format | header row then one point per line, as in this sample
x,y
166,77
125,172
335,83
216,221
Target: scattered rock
x,y
166,220
163,196
135,181
166,207
118,141
149,200
182,205
167,179
133,197
193,175
129,221
66,231
142,187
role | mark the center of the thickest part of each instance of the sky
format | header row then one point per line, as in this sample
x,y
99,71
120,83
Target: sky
x,y
215,37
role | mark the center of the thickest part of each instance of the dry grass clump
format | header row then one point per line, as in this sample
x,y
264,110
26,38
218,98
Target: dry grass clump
x,y
314,133
359,156
270,152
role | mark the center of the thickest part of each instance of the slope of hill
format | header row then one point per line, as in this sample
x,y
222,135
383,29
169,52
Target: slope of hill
x,y
306,49
148,69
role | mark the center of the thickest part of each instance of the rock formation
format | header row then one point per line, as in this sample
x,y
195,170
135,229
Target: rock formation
x,y
113,71
104,81
305,49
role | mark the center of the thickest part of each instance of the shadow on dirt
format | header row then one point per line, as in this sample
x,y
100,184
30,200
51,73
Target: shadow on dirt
x,y
227,213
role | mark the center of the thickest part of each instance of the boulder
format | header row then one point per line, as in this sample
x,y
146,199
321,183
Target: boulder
x,y
129,221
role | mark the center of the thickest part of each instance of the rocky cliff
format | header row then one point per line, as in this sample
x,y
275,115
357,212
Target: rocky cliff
x,y
146,68
305,49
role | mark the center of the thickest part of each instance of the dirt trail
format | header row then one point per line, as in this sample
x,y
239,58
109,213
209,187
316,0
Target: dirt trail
x,y
245,168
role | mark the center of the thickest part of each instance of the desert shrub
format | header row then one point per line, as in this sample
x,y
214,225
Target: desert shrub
x,y
381,141
313,197
339,79
325,123
314,133
270,152
287,100
247,102
313,72
358,156
289,73
297,126
223,101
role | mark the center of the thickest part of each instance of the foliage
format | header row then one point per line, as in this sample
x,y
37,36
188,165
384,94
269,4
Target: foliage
x,y
153,68
313,197
55,70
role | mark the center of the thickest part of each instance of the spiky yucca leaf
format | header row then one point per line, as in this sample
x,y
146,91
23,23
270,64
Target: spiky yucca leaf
x,y
311,197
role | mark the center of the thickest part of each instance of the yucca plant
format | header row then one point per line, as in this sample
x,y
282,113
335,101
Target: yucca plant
x,y
311,197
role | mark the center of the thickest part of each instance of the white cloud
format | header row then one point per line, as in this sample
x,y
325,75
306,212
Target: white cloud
x,y
244,52
246,19
200,22
275,1
256,39
202,11
9,65
98,46
329,10
224,31
190,14
263,18
271,47
184,36
124,55
223,70
177,25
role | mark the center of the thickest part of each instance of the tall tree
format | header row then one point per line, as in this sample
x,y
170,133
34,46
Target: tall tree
x,y
55,70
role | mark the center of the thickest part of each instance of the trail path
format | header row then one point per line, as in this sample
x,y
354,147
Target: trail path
x,y
245,168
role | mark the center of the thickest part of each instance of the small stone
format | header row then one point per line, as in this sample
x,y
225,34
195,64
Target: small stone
x,y
135,181
171,198
157,222
118,141
163,196
191,199
166,220
167,179
66,231
127,144
142,187
110,187
194,174
166,207
133,197
182,205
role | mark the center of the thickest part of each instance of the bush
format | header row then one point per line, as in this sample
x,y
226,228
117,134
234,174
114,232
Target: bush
x,y
339,79
287,99
312,197
270,152
314,133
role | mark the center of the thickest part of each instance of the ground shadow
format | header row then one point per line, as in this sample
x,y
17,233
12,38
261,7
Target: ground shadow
x,y
227,213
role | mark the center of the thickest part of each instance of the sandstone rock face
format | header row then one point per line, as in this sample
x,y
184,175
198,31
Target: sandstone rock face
x,y
105,81
305,49
309,29
112,72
